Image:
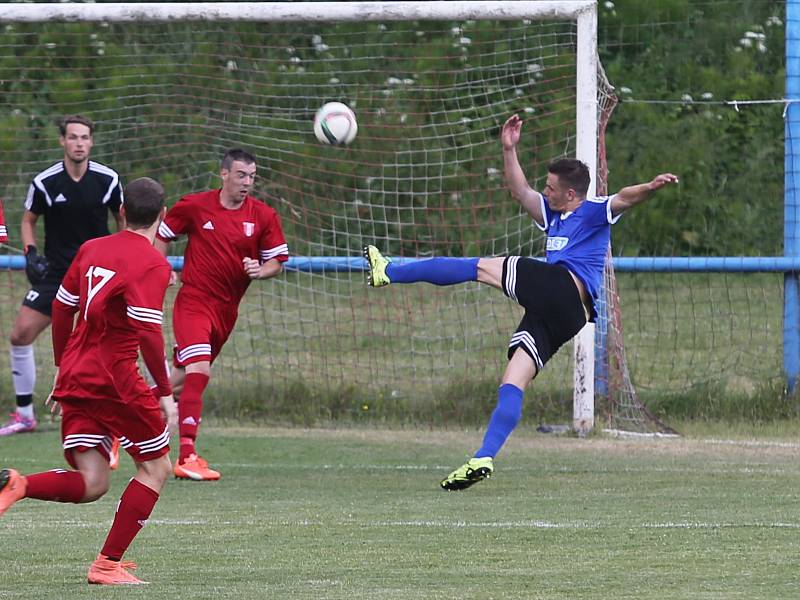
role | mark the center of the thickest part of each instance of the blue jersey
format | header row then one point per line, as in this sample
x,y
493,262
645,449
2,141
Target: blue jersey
x,y
579,240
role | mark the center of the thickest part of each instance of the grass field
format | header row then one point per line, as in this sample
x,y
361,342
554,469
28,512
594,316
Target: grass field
x,y
357,513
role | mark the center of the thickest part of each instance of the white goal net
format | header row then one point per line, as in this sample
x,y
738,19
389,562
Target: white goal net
x,y
431,84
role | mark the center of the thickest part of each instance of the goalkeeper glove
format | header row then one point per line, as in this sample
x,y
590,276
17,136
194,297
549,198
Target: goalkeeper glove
x,y
36,265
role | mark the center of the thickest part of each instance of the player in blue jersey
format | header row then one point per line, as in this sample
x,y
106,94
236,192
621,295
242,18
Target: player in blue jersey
x,y
558,296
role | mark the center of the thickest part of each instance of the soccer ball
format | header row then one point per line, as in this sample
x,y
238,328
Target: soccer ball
x,y
335,124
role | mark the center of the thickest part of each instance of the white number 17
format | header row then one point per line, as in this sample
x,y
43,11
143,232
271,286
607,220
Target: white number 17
x,y
105,276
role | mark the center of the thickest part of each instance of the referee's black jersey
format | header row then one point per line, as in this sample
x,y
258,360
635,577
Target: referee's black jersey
x,y
74,211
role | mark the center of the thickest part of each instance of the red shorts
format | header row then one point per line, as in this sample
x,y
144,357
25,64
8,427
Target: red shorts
x,y
202,327
139,425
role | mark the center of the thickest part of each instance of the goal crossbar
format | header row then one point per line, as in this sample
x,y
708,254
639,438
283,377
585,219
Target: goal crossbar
x,y
290,11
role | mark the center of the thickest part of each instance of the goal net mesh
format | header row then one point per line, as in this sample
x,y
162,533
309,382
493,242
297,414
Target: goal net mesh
x,y
423,178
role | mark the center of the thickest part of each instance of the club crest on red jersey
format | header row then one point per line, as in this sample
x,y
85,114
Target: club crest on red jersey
x,y
249,228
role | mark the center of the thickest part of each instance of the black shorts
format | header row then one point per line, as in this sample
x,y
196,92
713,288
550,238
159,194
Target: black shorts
x,y
40,296
554,312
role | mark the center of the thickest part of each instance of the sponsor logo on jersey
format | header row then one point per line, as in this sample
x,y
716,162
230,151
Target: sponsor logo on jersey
x,y
208,225
249,228
555,244
60,198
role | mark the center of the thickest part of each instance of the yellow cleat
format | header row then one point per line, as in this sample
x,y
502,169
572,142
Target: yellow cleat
x,y
376,277
473,471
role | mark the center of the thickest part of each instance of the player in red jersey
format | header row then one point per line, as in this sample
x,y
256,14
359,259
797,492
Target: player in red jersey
x,y
233,238
116,285
3,230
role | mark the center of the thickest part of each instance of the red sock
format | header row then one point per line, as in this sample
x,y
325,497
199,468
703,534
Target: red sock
x,y
58,485
134,509
190,409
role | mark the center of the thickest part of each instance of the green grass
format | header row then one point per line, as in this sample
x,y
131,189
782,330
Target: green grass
x,y
357,513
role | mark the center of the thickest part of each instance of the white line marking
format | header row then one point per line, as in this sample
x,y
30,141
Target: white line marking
x,y
427,523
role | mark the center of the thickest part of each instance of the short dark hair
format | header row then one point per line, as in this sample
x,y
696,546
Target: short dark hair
x,y
144,200
573,173
81,120
237,154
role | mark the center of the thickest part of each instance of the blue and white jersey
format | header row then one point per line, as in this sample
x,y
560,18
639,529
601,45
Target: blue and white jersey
x,y
579,240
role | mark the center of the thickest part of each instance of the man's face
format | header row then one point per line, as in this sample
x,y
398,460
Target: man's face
x,y
77,142
558,194
238,180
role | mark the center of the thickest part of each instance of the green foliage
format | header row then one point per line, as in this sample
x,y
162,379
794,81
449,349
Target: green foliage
x,y
730,161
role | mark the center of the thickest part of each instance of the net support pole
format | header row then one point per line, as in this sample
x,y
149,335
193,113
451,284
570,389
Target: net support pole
x,y
791,222
586,150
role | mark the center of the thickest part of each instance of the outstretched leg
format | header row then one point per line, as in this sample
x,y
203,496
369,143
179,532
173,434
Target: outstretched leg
x,y
438,271
86,484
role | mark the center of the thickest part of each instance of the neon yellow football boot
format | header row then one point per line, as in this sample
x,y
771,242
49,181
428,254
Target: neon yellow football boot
x,y
473,471
376,277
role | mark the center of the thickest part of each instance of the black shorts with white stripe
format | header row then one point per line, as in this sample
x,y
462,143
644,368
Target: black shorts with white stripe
x,y
554,312
40,296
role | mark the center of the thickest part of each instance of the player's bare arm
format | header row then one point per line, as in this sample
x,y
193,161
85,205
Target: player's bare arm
x,y
632,195
50,402
529,198
28,228
256,270
170,411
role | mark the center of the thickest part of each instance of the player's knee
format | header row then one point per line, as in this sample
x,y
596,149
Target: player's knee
x,y
97,484
154,473
202,367
490,271
22,336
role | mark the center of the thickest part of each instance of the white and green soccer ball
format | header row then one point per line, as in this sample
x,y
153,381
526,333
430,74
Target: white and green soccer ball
x,y
335,124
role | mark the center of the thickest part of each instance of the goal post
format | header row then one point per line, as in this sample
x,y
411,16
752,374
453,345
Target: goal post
x,y
413,162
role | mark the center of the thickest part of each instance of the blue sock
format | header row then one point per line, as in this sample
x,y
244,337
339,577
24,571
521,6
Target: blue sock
x,y
439,271
505,417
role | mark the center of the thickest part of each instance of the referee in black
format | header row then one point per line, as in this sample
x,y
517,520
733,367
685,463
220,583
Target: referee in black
x,y
75,196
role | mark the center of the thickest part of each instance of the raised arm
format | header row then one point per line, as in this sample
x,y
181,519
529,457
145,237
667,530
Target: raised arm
x,y
632,195
529,198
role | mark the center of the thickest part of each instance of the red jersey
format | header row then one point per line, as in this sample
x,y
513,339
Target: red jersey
x,y
219,238
116,284
3,230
